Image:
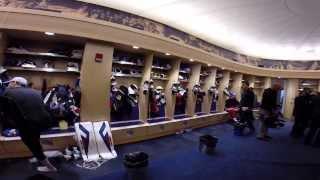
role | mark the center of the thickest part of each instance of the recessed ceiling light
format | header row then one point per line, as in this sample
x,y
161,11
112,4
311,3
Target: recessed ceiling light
x,y
135,47
191,60
168,54
222,68
235,71
49,33
279,77
209,64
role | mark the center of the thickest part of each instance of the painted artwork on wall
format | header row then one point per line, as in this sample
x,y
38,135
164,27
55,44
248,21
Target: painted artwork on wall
x,y
82,9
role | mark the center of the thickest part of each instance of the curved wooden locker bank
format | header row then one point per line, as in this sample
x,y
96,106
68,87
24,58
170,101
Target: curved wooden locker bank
x,y
102,36
13,147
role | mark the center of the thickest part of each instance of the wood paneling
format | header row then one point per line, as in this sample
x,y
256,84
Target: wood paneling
x,y
210,81
222,97
194,79
171,99
95,82
144,98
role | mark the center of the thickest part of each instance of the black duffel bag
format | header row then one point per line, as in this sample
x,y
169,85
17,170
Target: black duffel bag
x,y
136,160
207,144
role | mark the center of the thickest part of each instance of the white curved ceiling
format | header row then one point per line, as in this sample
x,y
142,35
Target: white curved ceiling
x,y
273,29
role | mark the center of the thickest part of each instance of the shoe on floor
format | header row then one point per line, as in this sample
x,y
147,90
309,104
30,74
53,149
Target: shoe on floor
x,y
46,169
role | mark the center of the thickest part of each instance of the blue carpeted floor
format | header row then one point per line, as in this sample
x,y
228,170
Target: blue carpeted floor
x,y
177,157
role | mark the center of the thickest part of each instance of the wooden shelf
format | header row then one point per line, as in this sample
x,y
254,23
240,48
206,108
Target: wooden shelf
x,y
161,68
41,54
204,74
127,75
185,72
49,70
159,78
126,63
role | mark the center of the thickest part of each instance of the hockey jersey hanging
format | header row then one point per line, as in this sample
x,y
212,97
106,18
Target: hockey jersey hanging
x,y
213,93
61,103
181,100
157,102
124,102
199,93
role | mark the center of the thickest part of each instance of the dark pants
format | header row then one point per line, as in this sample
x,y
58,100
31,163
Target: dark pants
x,y
298,129
247,117
313,136
31,138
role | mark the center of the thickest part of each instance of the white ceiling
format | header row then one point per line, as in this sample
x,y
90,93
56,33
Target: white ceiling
x,y
274,29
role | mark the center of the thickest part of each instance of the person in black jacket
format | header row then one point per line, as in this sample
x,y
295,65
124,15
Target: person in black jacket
x,y
302,113
267,110
312,136
30,117
246,106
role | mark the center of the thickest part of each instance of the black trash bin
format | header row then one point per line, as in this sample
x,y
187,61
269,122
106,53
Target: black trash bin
x,y
136,164
207,144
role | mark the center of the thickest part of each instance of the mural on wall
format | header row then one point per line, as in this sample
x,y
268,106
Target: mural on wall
x,y
77,8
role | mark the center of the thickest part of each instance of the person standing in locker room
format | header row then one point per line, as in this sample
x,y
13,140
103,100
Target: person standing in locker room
x,y
267,110
26,109
302,113
246,106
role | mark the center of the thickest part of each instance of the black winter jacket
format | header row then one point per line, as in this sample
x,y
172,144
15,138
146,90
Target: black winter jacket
x,y
269,99
30,106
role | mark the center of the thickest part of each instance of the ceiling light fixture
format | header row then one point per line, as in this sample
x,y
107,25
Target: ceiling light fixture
x,y
191,60
209,64
49,33
168,54
135,47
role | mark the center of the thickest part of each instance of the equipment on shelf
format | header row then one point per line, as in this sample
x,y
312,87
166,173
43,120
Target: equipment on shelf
x,y
127,58
59,51
185,69
28,64
72,66
158,75
77,53
62,104
116,71
183,78
160,64
19,50
10,133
